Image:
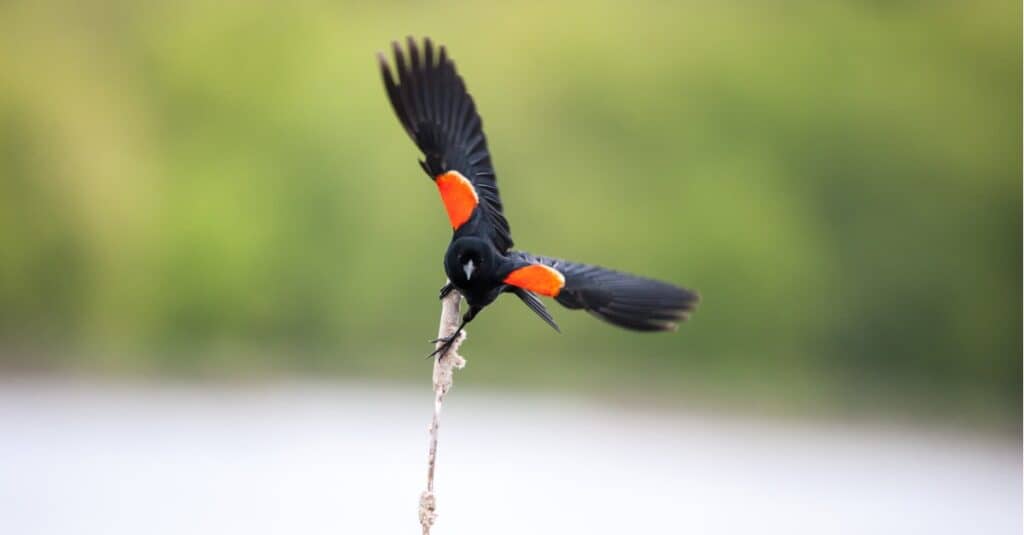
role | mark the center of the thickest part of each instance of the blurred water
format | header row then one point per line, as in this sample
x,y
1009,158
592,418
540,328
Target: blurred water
x,y
346,458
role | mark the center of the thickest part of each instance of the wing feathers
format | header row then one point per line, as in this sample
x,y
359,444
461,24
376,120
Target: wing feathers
x,y
619,298
537,278
431,101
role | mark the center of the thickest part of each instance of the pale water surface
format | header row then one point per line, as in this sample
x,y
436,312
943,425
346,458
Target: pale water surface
x,y
81,458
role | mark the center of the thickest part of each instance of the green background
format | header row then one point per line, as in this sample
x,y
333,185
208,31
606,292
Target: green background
x,y
191,189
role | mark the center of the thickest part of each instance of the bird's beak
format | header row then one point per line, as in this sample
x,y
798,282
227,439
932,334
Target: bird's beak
x,y
468,267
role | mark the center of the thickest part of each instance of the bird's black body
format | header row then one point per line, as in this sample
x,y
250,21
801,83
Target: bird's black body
x,y
435,109
483,288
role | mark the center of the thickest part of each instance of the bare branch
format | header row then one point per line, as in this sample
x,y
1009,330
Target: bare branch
x,y
444,368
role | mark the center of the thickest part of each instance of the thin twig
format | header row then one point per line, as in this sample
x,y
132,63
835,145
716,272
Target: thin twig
x,y
444,368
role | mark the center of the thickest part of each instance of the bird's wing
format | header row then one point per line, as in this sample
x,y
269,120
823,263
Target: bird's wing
x,y
433,105
619,298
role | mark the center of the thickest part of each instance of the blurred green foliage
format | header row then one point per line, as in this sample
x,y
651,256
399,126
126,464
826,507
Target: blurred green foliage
x,y
189,187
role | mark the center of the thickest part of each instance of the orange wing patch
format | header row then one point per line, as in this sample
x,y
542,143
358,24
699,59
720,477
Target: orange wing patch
x,y
537,278
458,195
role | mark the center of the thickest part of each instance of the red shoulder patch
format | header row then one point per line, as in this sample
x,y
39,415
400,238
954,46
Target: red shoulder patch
x,y
458,195
537,278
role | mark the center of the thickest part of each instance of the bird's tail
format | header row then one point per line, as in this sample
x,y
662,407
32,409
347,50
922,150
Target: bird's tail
x,y
621,299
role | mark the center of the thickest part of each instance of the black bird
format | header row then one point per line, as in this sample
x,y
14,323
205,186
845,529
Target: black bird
x,y
435,109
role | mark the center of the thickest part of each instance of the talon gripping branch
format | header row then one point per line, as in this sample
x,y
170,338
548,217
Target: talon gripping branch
x,y
435,109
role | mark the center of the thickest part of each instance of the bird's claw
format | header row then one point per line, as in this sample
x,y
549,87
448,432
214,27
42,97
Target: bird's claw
x,y
446,345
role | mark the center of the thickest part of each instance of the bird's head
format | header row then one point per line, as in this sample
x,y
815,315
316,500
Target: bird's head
x,y
474,258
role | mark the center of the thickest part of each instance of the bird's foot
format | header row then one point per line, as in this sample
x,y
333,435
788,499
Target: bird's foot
x,y
446,344
445,290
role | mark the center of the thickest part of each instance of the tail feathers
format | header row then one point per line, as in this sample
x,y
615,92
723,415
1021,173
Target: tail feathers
x,y
537,306
621,299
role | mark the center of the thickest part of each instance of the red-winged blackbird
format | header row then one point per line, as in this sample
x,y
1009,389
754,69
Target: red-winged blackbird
x,y
433,105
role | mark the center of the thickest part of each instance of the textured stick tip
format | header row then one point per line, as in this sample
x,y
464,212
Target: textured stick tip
x,y
428,506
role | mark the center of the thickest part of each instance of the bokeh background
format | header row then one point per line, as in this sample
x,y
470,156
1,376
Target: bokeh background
x,y
220,192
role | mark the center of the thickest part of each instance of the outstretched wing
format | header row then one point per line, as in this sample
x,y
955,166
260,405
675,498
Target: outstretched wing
x,y
433,105
619,298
